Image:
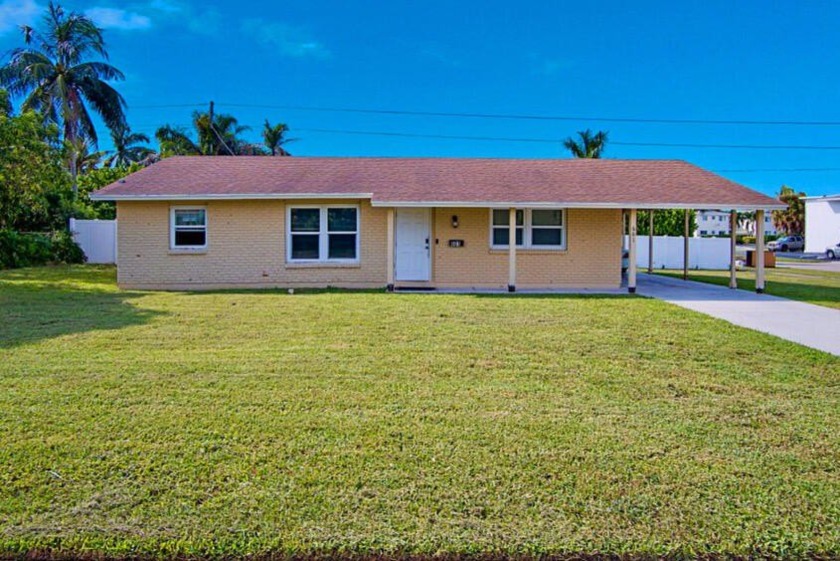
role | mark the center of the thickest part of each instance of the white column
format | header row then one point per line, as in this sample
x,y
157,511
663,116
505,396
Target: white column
x,y
389,251
631,270
733,228
512,251
685,246
759,251
650,242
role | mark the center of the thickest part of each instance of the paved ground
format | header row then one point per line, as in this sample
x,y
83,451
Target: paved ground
x,y
821,265
813,326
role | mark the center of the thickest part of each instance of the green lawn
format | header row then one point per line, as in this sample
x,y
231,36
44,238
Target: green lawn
x,y
234,423
817,287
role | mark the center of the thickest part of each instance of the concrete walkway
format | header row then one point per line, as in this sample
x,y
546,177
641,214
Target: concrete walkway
x,y
813,326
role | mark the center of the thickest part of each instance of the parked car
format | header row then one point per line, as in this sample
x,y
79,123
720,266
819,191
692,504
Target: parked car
x,y
787,243
832,251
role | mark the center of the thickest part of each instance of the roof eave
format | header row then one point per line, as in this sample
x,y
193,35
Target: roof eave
x,y
439,204
228,196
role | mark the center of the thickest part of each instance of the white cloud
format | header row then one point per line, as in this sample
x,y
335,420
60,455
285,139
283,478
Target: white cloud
x,y
14,13
177,12
116,18
289,41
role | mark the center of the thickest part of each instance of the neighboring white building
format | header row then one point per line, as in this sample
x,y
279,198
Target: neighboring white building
x,y
716,223
712,223
822,222
748,226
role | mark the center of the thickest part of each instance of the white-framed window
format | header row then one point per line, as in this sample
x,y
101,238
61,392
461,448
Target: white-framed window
x,y
188,227
322,233
536,228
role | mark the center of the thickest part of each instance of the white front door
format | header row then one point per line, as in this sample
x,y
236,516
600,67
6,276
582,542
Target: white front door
x,y
413,249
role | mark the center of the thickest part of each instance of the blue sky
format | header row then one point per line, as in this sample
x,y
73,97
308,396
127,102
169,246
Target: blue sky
x,y
721,60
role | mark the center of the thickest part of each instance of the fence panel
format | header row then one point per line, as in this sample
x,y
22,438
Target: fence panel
x,y
703,253
97,238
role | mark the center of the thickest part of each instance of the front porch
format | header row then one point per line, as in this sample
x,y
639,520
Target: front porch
x,y
467,249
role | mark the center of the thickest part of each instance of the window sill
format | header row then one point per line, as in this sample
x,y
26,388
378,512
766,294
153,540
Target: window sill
x,y
323,265
188,251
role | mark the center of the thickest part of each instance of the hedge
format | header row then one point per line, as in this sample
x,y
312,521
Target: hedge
x,y
28,249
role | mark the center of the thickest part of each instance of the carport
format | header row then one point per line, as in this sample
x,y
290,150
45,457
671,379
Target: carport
x,y
732,209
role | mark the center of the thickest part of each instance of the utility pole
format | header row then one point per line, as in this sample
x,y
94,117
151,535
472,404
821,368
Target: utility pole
x,y
211,114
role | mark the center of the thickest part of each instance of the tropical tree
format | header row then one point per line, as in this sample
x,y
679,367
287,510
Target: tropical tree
x,y
589,146
666,222
81,155
791,221
57,79
128,148
273,138
35,188
96,179
219,137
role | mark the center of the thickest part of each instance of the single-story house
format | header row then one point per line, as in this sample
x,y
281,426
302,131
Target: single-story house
x,y
203,222
822,222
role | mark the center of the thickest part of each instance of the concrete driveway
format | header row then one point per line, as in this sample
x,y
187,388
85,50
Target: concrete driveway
x,y
813,326
815,265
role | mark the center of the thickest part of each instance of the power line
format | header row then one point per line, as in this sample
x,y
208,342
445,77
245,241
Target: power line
x,y
558,141
166,106
513,116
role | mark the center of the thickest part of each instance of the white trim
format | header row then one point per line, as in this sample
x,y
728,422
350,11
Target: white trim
x,y
561,204
230,197
528,229
822,198
172,227
441,204
323,235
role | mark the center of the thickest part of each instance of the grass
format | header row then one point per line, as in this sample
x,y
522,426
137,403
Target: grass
x,y
816,287
360,424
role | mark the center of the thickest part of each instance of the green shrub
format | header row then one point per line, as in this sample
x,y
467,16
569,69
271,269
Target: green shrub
x,y
28,249
65,249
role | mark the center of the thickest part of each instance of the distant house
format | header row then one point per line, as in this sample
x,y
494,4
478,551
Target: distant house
x,y
215,222
716,223
712,223
822,222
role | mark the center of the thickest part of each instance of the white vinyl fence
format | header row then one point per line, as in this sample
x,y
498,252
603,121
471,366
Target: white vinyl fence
x,y
97,238
703,253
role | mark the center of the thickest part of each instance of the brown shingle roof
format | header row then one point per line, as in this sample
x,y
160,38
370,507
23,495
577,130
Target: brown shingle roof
x,y
440,181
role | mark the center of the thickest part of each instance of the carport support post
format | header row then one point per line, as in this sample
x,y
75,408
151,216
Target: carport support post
x,y
650,241
759,251
733,227
389,251
631,267
512,251
685,247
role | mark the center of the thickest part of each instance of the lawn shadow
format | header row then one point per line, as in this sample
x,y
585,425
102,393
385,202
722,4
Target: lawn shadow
x,y
35,307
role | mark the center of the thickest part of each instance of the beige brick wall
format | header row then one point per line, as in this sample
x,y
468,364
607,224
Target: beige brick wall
x,y
592,257
247,248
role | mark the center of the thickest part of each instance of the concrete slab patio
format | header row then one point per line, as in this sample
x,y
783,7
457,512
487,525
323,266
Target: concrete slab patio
x,y
813,326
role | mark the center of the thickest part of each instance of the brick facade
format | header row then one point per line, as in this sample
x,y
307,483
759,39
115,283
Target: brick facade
x,y
247,248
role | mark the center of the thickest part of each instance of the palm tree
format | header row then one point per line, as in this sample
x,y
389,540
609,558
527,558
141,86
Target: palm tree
x,y
273,138
82,156
590,145
219,138
58,80
127,148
